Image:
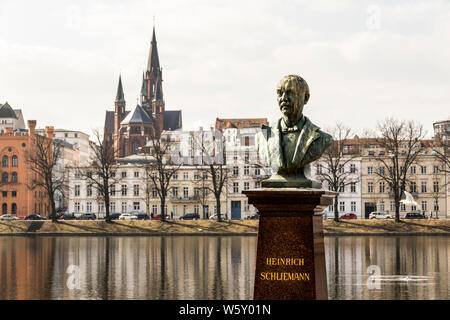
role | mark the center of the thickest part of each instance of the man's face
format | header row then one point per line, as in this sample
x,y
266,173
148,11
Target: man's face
x,y
290,99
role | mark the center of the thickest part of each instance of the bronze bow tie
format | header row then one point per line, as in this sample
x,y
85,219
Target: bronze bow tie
x,y
287,130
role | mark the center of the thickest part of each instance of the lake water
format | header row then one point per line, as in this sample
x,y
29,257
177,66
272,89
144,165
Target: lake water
x,y
212,267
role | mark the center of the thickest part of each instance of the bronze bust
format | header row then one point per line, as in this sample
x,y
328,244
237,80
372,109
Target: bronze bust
x,y
292,142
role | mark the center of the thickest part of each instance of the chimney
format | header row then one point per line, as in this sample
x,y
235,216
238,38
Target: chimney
x,y
49,132
31,126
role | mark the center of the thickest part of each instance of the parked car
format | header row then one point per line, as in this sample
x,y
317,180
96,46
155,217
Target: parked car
x,y
8,217
223,216
87,216
254,216
190,216
348,216
67,216
379,215
114,216
158,217
35,216
140,215
127,216
414,215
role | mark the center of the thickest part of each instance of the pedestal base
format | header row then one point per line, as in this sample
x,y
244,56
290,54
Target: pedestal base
x,y
290,259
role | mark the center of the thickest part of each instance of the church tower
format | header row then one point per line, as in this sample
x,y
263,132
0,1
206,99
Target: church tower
x,y
119,114
155,105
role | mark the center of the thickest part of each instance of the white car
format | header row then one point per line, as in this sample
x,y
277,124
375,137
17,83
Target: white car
x,y
127,216
8,217
379,215
214,217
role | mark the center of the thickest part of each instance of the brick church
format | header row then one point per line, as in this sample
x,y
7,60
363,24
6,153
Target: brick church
x,y
131,130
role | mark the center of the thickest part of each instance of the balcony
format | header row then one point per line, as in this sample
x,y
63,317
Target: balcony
x,y
184,199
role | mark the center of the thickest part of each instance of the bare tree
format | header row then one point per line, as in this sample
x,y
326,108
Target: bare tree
x,y
212,156
101,170
336,159
401,143
441,151
43,158
161,167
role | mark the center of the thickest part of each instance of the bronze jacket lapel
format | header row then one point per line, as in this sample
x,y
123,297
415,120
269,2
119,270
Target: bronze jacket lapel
x,y
307,136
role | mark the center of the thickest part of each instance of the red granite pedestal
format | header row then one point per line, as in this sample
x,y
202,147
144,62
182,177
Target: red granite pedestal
x,y
290,259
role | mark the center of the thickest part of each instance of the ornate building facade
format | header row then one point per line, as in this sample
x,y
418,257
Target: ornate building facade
x,y
131,130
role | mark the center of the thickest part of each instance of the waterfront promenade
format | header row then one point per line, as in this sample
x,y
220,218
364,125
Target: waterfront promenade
x,y
417,227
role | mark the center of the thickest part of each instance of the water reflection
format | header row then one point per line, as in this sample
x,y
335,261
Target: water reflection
x,y
212,267
409,267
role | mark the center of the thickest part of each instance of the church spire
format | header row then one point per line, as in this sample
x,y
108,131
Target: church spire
x,y
143,91
153,58
120,96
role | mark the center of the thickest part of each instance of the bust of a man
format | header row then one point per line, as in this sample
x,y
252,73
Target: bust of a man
x,y
293,141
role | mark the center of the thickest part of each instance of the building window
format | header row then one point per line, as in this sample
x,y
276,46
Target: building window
x,y
436,205
413,208
196,176
205,192
235,171
342,206
436,186
257,172
196,209
124,190
413,169
424,206
5,177
112,190
77,207
185,176
136,174
14,177
89,190
5,161
112,205
246,185
13,194
235,187
124,174
14,161
353,206
392,206
175,209
423,187
382,188
175,176
319,168
370,187
247,141
413,187
14,208
381,171
136,190
435,169
369,170
185,192
196,192
175,192
341,187
423,169
135,147
136,206
124,207
77,190
246,170
403,207
185,209
100,207
257,184
154,192
89,207
353,187
352,168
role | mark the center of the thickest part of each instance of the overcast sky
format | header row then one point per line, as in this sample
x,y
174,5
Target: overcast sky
x,y
363,60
